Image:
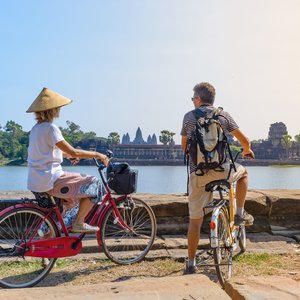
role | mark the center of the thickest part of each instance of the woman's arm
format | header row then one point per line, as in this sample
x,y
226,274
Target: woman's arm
x,y
71,152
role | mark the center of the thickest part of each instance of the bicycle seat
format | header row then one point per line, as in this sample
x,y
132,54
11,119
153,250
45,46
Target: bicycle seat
x,y
44,200
210,186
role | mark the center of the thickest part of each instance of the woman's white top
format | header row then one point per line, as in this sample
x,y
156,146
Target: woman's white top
x,y
44,158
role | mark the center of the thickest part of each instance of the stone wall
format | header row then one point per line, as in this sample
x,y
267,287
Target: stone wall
x,y
273,210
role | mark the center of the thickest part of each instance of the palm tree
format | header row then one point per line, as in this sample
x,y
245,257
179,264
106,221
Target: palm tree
x,y
166,137
287,143
114,138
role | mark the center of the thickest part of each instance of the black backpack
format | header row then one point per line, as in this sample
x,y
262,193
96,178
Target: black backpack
x,y
208,144
121,178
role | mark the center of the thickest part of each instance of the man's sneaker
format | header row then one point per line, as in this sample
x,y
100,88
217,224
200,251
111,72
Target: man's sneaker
x,y
247,218
190,270
84,228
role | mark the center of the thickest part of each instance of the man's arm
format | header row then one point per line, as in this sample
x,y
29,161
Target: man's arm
x,y
244,141
183,142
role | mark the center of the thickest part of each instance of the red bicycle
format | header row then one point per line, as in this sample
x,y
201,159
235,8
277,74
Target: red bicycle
x,y
30,233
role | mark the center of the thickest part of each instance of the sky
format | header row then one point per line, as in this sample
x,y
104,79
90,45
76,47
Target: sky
x,y
134,63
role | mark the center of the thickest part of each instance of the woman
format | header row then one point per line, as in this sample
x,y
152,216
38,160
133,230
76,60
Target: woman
x,y
46,149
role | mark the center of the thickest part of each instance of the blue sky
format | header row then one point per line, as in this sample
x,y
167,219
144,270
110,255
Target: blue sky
x,y
134,63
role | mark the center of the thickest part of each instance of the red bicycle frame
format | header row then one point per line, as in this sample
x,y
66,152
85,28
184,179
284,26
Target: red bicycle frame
x,y
63,246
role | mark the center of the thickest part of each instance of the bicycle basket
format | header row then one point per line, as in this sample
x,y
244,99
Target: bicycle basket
x,y
121,179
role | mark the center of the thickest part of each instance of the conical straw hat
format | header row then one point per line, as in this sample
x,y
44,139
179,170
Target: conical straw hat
x,y
46,100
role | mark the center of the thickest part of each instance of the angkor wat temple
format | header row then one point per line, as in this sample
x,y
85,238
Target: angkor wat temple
x,y
138,140
272,148
151,152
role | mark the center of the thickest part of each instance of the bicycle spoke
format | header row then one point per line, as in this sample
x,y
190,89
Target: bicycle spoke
x,y
127,245
16,227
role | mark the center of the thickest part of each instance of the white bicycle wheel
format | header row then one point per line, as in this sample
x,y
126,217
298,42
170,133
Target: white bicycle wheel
x,y
223,252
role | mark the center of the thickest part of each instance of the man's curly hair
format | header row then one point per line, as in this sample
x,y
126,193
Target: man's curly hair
x,y
205,91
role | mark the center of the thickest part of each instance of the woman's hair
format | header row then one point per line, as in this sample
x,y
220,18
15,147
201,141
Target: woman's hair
x,y
47,115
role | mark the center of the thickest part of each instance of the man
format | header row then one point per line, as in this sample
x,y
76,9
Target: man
x,y
203,99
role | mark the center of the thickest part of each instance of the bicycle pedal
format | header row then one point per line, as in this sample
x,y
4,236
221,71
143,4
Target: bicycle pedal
x,y
210,252
203,256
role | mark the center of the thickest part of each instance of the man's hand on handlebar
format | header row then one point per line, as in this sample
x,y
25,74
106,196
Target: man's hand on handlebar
x,y
248,154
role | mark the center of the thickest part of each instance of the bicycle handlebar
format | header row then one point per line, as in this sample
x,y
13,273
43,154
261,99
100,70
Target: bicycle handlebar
x,y
101,166
247,156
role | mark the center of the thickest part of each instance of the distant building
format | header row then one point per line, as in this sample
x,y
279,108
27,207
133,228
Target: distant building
x,y
139,149
146,151
276,131
126,139
138,140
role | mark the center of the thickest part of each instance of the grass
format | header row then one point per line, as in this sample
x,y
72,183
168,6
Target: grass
x,y
85,271
267,264
254,259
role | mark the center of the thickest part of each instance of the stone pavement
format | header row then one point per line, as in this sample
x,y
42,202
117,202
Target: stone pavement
x,y
260,288
255,288
165,288
189,287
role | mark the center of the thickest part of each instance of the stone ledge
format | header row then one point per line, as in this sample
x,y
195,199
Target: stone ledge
x,y
269,208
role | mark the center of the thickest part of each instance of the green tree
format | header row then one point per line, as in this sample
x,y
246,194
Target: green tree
x,y
287,143
297,138
89,135
235,150
259,141
166,137
113,138
13,129
73,134
12,140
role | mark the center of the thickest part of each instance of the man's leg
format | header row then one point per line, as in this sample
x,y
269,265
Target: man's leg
x,y
193,241
193,237
240,195
241,190
198,198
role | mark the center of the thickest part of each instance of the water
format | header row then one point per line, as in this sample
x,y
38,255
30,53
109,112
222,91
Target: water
x,y
167,179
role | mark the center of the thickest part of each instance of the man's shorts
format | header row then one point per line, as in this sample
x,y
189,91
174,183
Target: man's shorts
x,y
198,197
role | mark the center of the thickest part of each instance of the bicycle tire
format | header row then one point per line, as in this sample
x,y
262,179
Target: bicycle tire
x,y
242,238
120,245
223,252
16,269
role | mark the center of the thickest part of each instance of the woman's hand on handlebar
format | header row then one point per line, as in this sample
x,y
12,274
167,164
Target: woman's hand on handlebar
x,y
74,161
103,158
248,154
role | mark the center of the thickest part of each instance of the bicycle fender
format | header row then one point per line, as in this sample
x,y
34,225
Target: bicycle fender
x,y
214,243
8,209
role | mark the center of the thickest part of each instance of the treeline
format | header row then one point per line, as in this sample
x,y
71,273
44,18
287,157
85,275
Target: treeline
x,y
14,140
